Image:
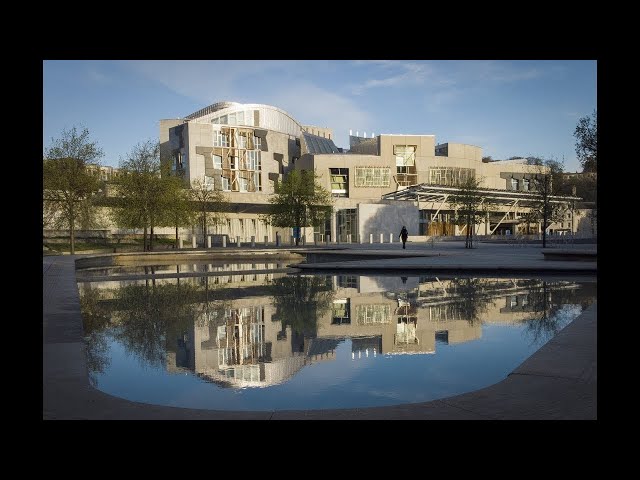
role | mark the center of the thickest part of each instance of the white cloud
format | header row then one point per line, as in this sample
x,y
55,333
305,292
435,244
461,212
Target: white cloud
x,y
312,105
408,73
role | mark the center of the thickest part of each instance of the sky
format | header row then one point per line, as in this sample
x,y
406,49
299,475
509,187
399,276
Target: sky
x,y
509,108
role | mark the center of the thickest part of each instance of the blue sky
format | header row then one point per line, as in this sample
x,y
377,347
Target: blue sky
x,y
506,107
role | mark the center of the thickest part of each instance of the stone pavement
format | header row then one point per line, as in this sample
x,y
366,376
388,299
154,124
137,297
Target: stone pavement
x,y
559,381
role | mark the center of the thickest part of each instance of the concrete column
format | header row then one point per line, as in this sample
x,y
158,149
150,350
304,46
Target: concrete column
x,y
266,240
337,239
391,238
253,241
349,238
327,239
224,241
180,243
360,239
238,244
371,238
334,229
382,238
208,241
193,241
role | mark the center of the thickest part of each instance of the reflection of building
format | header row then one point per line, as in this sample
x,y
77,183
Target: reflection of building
x,y
248,348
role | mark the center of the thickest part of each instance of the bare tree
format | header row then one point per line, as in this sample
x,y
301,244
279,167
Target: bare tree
x,y
209,205
544,182
468,205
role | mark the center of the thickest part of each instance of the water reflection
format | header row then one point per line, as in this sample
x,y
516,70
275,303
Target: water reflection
x,y
261,332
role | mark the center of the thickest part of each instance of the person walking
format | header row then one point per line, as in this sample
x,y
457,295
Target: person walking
x,y
404,234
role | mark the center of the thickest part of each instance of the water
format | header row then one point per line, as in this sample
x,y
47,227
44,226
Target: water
x,y
272,341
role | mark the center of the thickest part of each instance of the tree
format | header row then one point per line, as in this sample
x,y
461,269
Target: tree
x,y
209,204
144,194
586,134
179,211
468,206
69,182
299,201
544,182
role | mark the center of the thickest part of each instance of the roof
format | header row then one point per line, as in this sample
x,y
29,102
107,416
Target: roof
x,y
437,193
316,144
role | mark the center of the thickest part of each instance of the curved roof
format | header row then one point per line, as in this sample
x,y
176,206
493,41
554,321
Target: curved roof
x,y
270,117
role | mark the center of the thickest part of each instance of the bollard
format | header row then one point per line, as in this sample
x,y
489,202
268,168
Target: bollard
x,y
208,241
238,244
337,239
193,241
349,238
266,240
277,239
382,238
293,240
304,241
224,241
327,239
371,238
180,243
391,238
360,239
253,241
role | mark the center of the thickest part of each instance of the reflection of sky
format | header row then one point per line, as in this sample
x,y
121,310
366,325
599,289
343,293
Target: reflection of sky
x,y
340,383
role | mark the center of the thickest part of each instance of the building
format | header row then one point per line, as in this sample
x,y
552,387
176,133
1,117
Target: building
x,y
380,184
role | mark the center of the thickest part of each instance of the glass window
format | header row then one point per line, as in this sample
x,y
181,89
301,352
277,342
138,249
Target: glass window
x,y
217,162
339,182
240,116
514,184
450,176
405,154
341,312
225,183
372,177
243,182
525,184
242,141
232,119
223,120
257,142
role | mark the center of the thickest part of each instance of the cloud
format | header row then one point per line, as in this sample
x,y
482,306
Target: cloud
x,y
407,73
98,77
313,105
204,81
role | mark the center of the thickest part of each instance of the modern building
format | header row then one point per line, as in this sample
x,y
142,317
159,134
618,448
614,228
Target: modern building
x,y
378,185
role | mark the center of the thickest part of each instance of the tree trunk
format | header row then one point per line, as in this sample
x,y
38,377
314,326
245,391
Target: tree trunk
x,y
151,238
144,240
72,235
176,244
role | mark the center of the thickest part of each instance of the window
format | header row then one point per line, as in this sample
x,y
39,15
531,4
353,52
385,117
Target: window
x,y
372,177
450,176
514,184
217,162
220,139
525,184
346,224
257,142
341,312
242,141
225,183
257,181
339,182
406,164
209,182
376,314
243,182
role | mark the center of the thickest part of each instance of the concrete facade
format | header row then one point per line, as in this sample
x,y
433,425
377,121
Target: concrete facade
x,y
218,144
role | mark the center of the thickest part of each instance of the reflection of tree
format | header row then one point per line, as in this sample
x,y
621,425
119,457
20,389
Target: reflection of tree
x,y
472,297
299,300
545,301
95,319
149,317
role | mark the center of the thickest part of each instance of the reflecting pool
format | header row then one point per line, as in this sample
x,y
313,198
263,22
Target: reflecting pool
x,y
250,339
